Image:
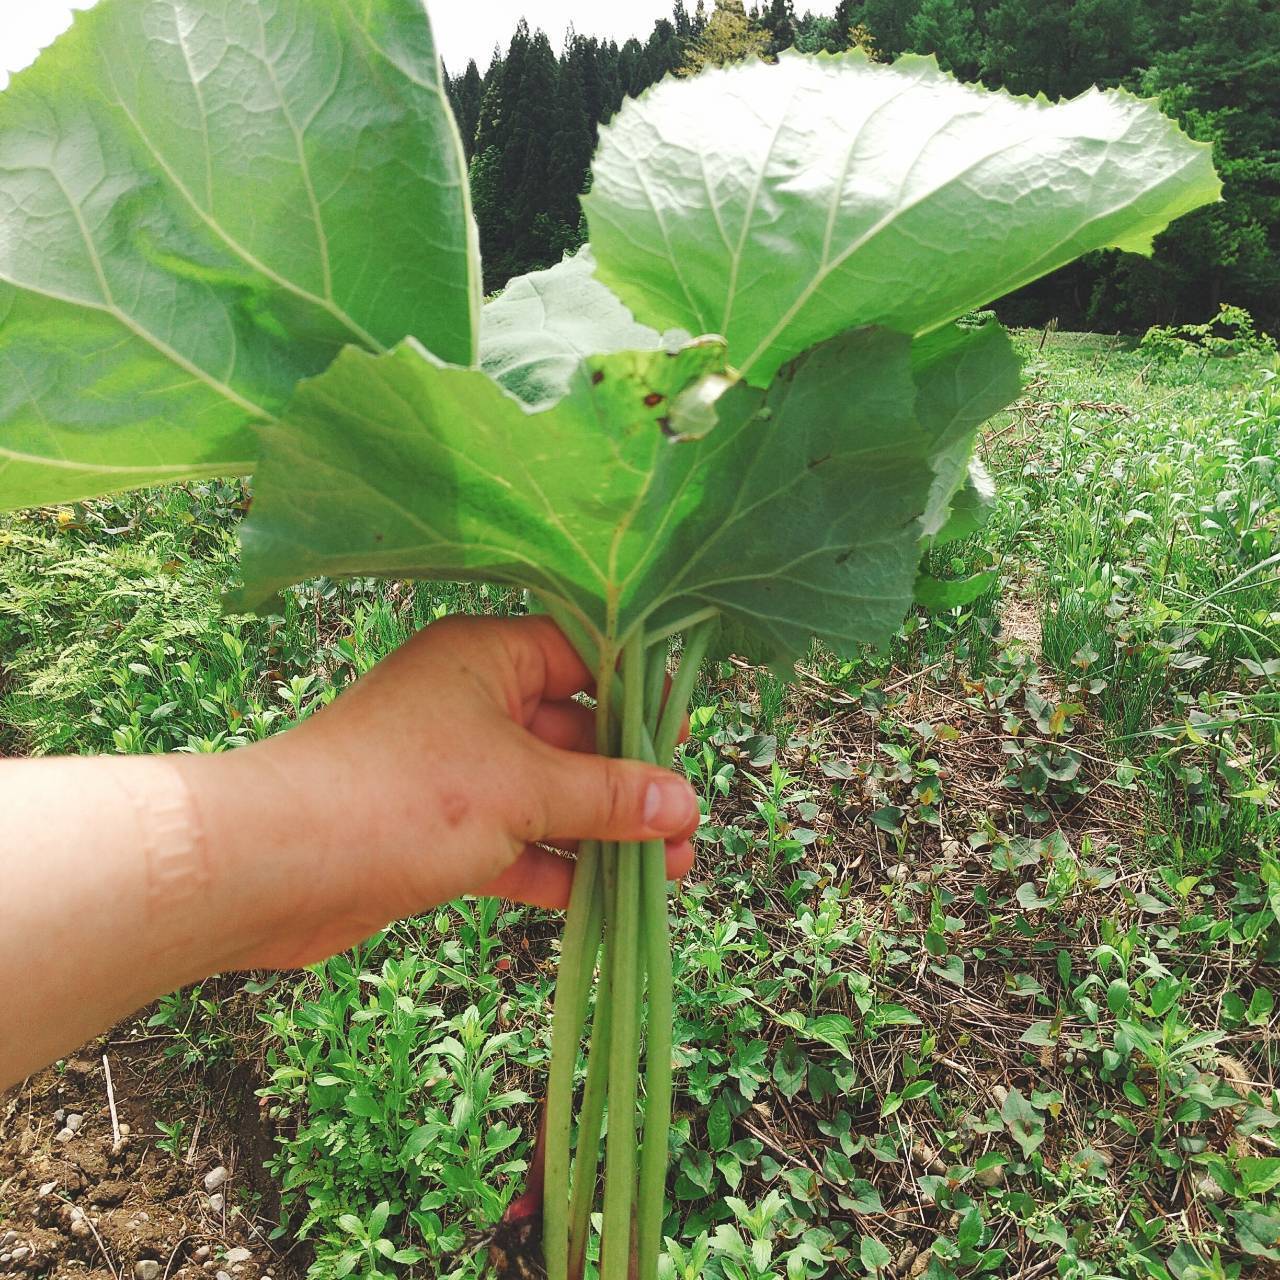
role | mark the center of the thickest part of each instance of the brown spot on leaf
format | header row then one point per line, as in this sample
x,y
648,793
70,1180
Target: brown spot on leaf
x,y
597,378
654,399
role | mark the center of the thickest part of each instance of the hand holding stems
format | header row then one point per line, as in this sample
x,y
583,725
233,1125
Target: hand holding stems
x,y
444,770
439,774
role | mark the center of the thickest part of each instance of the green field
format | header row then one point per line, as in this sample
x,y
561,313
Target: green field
x,y
975,975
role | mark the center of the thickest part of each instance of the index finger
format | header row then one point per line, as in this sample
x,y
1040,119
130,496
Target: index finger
x,y
547,665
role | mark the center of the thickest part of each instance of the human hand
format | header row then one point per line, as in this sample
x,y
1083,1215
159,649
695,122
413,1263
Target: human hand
x,y
439,774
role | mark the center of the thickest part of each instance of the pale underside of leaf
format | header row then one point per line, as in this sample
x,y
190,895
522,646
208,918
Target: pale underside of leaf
x,y
186,193
781,205
797,514
534,335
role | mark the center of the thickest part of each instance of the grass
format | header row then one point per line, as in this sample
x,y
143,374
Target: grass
x,y
976,975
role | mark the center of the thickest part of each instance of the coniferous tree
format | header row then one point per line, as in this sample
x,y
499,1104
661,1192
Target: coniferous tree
x,y
848,15
571,147
488,198
1061,47
493,71
633,69
887,22
489,207
665,51
1027,56
728,37
683,23
780,22
466,94
527,156
1220,75
817,33
612,91
947,29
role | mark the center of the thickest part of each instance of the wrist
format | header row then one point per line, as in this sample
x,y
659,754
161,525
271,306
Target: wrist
x,y
176,873
232,802
280,871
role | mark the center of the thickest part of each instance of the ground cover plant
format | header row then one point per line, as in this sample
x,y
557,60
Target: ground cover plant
x,y
758,357
899,779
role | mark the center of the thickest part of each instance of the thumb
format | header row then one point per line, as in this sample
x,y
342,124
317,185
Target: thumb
x,y
588,797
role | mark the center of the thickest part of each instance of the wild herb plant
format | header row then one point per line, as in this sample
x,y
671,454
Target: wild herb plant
x,y
237,240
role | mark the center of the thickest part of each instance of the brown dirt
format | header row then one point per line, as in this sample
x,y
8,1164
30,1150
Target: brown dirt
x,y
1020,621
89,1208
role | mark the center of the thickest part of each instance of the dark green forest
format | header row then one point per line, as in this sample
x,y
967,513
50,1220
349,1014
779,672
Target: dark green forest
x,y
530,122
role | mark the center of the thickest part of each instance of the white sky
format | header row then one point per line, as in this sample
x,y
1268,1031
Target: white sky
x,y
464,28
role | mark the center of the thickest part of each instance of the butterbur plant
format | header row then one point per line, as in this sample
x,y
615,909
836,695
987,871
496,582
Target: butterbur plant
x,y
236,238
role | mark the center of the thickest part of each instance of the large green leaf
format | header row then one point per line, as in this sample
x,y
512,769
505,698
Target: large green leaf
x,y
796,512
202,201
535,333
780,205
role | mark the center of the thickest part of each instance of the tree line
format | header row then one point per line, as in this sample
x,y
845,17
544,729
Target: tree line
x,y
530,123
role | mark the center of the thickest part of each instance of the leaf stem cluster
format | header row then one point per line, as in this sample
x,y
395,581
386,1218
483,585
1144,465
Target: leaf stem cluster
x,y
618,924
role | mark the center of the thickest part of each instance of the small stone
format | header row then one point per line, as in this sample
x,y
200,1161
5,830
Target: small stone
x,y
216,1202
223,1275
990,1178
201,1253
21,1253
147,1269
6,1258
239,1255
74,1122
80,1227
214,1179
65,1135
125,1131
59,1116
46,1190
8,1239
899,874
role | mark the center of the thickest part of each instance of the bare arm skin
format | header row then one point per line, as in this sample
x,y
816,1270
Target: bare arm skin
x,y
435,776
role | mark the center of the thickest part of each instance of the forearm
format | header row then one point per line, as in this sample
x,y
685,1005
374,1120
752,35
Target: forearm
x,y
122,879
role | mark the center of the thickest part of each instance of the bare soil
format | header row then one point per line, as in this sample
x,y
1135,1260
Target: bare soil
x,y
91,1206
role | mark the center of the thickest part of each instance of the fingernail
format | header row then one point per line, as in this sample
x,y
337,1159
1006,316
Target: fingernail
x,y
668,806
